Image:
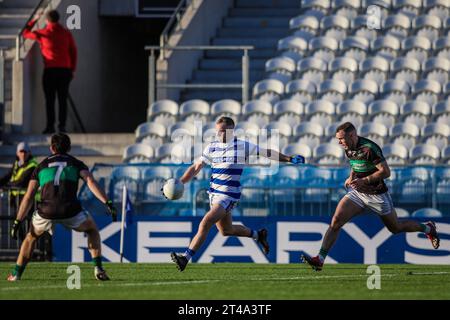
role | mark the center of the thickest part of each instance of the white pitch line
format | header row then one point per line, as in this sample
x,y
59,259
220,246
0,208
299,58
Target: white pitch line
x,y
149,284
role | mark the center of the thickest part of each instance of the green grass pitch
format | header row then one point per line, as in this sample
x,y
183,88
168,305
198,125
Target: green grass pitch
x,y
228,281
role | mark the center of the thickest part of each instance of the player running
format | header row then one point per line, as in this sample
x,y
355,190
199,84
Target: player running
x,y
366,190
57,176
227,156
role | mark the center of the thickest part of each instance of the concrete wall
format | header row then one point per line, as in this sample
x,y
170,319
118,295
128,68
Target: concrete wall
x,y
110,84
198,26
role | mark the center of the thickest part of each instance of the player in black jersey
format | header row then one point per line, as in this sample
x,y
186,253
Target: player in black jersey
x,y
57,177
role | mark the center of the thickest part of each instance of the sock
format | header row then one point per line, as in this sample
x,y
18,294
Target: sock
x,y
254,234
323,254
189,253
18,270
425,228
97,261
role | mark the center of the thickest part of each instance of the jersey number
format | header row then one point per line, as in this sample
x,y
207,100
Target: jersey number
x,y
61,166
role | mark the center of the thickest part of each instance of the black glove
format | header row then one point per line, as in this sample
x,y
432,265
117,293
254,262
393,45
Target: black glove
x,y
111,210
15,229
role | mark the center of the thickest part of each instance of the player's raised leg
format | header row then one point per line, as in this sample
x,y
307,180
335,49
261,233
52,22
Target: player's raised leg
x,y
94,246
345,211
395,226
216,213
26,251
227,228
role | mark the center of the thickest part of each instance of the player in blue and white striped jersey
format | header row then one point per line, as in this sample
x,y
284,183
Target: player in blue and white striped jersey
x,y
227,156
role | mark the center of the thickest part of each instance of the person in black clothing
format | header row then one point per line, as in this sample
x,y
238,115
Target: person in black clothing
x,y
58,177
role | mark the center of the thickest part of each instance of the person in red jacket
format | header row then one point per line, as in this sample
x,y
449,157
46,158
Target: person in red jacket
x,y
60,59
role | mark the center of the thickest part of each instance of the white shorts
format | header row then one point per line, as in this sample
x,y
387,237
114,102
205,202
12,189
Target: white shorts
x,y
41,224
226,202
380,203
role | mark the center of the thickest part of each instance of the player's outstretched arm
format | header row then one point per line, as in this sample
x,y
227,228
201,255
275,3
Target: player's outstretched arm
x,y
24,207
278,156
191,172
99,193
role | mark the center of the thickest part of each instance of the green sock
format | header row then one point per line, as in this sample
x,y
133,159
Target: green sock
x,y
425,228
323,254
97,261
18,270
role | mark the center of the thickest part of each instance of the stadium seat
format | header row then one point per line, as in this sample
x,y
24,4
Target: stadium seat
x,y
346,8
335,27
395,90
413,186
317,179
302,91
386,47
374,131
138,153
307,23
427,26
446,155
383,111
209,132
194,110
351,111
323,48
427,213
153,179
442,176
311,141
183,132
411,8
355,47
309,129
397,25
257,111
328,154
440,108
288,111
402,213
320,112
343,69
174,153
226,107
248,131
312,69
151,133
406,69
284,132
416,112
437,69
427,91
332,91
317,8
360,27
395,154
363,90
416,47
280,68
425,155
298,148
294,47
438,8
164,112
124,176
406,134
269,90
375,69
436,134
442,46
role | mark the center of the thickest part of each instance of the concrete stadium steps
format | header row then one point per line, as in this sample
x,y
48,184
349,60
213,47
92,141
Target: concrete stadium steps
x,y
258,23
91,148
18,4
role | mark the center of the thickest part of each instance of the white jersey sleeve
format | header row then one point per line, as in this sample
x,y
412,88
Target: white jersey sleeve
x,y
251,149
206,156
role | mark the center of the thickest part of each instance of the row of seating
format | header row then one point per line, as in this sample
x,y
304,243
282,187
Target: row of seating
x,y
348,70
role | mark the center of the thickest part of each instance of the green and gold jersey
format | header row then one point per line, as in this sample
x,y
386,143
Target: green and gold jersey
x,y
58,177
363,160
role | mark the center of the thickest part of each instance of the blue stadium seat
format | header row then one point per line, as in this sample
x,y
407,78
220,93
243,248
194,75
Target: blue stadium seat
x,y
427,213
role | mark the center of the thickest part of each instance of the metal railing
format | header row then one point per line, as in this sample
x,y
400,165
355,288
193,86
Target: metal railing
x,y
172,24
153,85
19,38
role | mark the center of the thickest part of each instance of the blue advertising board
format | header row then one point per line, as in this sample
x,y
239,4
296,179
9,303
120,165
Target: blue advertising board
x,y
150,239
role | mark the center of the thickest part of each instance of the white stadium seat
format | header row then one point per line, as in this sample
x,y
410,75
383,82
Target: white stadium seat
x,y
269,89
226,107
164,112
138,153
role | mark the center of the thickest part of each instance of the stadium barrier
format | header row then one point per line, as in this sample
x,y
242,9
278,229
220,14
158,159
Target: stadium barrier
x,y
150,239
286,190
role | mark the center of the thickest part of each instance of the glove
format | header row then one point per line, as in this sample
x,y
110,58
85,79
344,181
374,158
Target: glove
x,y
15,229
111,210
297,159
